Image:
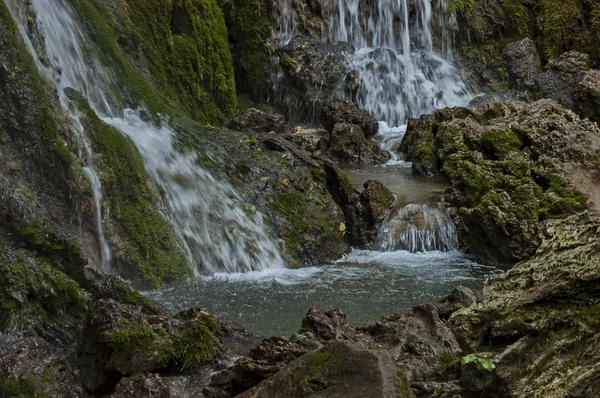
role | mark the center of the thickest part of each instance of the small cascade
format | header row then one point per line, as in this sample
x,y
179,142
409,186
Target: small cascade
x,y
418,228
219,232
44,45
400,74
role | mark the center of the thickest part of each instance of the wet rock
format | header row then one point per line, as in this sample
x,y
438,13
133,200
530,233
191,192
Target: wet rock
x,y
121,340
325,325
510,165
262,362
142,386
377,201
417,146
522,63
313,72
461,297
30,366
347,144
340,111
254,121
569,81
340,369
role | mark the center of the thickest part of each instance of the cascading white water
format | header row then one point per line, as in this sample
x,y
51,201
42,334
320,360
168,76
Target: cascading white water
x,y
418,228
400,75
208,215
65,75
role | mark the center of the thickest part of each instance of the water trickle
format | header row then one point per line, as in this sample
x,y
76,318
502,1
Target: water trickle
x,y
418,228
217,230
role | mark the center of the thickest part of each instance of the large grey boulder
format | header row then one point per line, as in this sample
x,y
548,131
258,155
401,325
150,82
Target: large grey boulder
x,y
522,63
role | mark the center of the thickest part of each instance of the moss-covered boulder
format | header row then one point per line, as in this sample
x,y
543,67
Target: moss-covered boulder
x,y
540,319
484,28
123,340
511,166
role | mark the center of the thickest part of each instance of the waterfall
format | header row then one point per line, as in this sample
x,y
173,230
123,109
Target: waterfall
x,y
399,72
218,231
418,228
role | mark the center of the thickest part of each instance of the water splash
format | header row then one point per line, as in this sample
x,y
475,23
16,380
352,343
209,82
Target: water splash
x,y
218,232
418,228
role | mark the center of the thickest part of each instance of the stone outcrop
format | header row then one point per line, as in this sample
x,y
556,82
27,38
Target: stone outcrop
x,y
351,131
523,63
313,71
255,121
511,165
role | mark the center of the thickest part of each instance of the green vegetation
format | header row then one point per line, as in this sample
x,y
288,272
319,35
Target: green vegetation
x,y
249,29
148,240
138,345
183,44
555,25
479,360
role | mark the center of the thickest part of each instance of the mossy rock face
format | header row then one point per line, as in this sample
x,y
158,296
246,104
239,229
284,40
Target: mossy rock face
x,y
145,242
249,30
510,166
180,46
541,317
486,27
122,339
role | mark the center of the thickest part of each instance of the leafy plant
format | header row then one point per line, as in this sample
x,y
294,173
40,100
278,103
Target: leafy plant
x,y
480,360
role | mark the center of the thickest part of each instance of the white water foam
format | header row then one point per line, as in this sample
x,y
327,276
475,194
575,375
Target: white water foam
x,y
219,232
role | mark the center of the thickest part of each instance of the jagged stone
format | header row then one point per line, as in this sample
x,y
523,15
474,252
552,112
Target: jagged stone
x,y
255,121
340,111
522,63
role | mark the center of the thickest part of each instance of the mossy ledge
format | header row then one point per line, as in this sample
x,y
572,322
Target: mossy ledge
x,y
179,46
148,244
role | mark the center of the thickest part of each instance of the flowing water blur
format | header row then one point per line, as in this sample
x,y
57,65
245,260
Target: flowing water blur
x,y
219,232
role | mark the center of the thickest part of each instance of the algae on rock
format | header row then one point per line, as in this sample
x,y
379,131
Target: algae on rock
x,y
145,240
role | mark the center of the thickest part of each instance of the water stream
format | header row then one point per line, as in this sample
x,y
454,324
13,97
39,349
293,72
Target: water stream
x,y
401,75
219,232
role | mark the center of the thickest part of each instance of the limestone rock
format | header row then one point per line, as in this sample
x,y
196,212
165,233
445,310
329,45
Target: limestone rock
x,y
340,111
523,63
254,121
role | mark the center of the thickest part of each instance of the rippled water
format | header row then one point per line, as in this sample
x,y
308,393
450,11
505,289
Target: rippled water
x,y
366,285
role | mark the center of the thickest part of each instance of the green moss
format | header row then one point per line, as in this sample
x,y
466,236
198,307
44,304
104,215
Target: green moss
x,y
13,387
196,345
500,143
109,31
320,358
138,345
34,295
182,42
185,43
249,29
149,241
